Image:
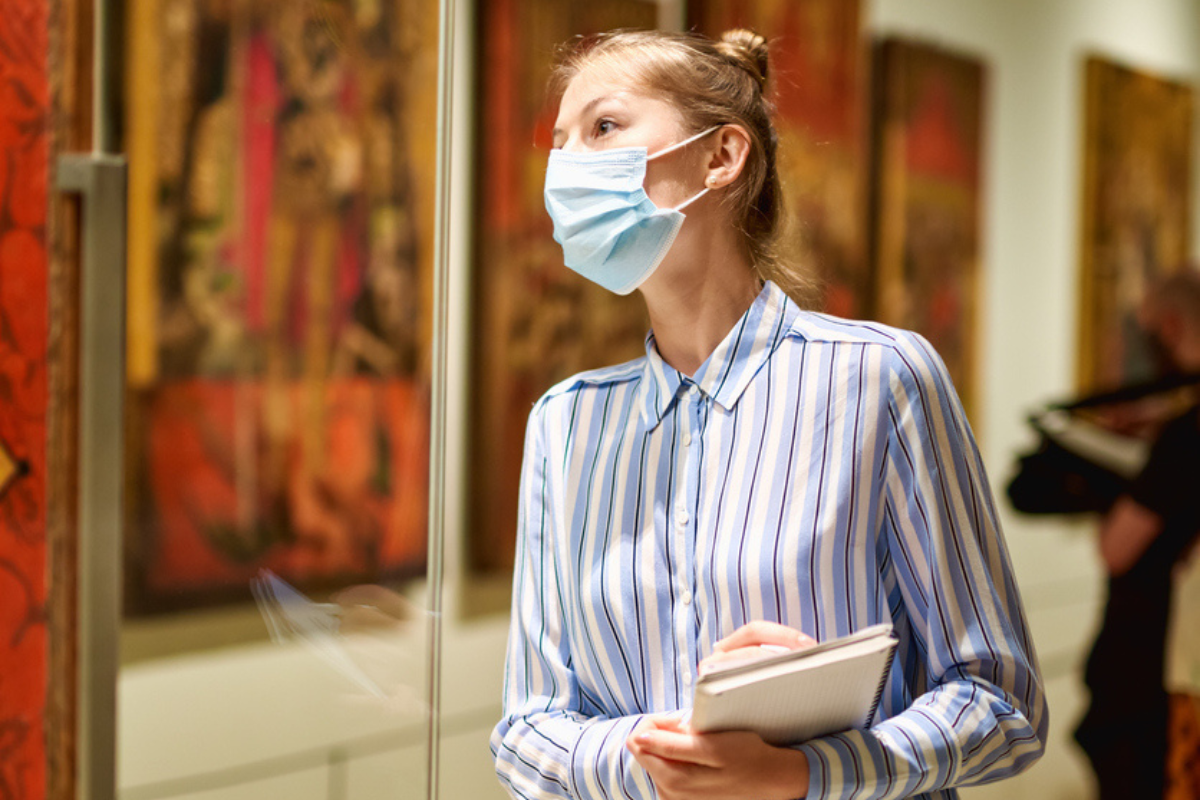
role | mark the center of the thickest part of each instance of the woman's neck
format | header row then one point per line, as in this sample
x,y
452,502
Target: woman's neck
x,y
694,305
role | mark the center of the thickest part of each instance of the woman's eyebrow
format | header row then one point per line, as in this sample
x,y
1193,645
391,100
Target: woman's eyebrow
x,y
587,108
595,101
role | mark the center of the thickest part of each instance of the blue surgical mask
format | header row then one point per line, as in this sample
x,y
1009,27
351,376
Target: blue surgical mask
x,y
610,230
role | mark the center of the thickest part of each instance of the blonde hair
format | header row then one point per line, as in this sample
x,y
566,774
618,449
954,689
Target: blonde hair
x,y
710,83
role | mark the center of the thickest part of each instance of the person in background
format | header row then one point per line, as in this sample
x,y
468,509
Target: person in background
x,y
1142,539
763,477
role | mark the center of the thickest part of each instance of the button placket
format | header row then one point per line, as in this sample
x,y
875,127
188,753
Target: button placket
x,y
684,515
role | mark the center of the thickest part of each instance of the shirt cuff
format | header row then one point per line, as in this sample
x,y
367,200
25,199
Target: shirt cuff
x,y
600,761
898,758
821,756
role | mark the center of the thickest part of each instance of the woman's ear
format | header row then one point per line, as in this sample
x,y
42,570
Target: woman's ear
x,y
731,147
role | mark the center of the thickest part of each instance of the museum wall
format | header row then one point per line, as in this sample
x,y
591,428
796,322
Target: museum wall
x,y
176,737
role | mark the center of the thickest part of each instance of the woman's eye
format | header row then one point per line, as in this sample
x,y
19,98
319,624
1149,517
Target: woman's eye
x,y
604,126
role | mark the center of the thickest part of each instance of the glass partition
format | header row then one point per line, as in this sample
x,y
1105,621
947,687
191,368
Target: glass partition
x,y
281,597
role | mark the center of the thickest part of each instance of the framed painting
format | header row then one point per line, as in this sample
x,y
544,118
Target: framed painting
x,y
1136,211
927,124
817,80
30,724
281,196
534,321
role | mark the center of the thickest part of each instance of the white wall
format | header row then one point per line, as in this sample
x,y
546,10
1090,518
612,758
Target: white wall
x,y
233,706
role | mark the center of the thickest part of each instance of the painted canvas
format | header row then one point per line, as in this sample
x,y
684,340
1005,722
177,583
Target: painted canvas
x,y
534,321
816,75
1136,211
24,398
927,126
281,197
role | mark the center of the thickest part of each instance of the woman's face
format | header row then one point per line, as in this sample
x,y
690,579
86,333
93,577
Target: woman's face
x,y
601,110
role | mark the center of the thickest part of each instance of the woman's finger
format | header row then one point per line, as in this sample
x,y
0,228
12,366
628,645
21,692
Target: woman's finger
x,y
672,779
675,746
652,722
739,656
761,632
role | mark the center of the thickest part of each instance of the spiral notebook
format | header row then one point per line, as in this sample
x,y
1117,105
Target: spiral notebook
x,y
799,695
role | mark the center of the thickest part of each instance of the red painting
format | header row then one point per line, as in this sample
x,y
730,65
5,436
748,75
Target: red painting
x,y
816,81
24,104
279,295
338,498
535,322
927,133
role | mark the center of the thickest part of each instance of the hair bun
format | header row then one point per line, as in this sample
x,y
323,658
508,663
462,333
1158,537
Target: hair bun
x,y
748,50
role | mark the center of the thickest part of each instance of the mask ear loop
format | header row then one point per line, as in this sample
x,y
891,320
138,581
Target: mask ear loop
x,y
684,143
678,145
691,199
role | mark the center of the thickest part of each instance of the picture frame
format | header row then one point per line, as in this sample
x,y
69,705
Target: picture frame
x,y
817,81
927,170
1136,211
533,321
279,295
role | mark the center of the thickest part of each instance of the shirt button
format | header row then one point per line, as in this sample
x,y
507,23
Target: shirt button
x,y
687,677
686,598
687,439
681,516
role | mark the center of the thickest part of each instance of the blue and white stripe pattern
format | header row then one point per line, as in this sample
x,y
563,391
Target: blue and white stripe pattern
x,y
814,472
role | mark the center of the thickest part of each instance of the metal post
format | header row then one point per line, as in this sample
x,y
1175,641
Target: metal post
x,y
438,390
99,178
106,68
100,181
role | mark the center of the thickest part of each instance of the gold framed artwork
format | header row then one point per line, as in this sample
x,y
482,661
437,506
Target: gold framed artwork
x,y
534,322
927,126
817,81
281,196
1136,211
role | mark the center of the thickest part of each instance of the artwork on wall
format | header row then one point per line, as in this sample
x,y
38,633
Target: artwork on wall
x,y
24,399
534,321
1136,211
816,76
281,196
926,194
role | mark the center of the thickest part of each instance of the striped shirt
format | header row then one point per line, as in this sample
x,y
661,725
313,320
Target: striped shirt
x,y
815,472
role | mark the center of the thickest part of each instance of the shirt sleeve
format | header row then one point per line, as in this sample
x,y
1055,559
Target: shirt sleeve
x,y
547,745
983,716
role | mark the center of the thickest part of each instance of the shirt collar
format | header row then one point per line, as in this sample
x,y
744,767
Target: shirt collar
x,y
727,372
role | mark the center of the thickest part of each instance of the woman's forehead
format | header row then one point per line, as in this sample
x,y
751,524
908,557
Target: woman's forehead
x,y
599,79
605,81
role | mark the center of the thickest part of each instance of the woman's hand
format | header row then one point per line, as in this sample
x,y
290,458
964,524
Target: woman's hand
x,y
756,640
735,765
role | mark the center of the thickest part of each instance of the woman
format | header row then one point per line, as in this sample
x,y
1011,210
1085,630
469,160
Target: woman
x,y
764,476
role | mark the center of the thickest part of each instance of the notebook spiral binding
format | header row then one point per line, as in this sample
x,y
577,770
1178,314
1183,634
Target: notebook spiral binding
x,y
887,669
